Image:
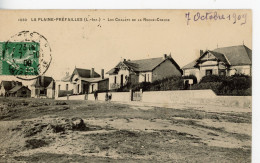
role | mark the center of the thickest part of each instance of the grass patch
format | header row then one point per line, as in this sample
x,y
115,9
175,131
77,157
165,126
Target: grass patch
x,y
35,143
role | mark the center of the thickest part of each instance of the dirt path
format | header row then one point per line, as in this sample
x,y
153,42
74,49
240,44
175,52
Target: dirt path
x,y
82,131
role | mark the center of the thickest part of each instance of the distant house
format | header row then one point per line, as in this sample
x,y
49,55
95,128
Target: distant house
x,y
20,91
224,61
6,86
63,86
144,70
88,81
43,86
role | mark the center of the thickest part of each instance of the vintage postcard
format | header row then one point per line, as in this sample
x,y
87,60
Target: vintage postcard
x,y
125,85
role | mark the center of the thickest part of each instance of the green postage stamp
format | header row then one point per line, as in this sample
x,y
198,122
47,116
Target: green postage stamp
x,y
19,58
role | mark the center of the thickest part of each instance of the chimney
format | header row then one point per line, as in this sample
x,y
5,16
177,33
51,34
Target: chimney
x,y
123,59
201,52
92,73
164,56
102,73
42,80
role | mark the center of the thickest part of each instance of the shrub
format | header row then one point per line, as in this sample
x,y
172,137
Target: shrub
x,y
236,85
170,83
212,78
210,85
35,143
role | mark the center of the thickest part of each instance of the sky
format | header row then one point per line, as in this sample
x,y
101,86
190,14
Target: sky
x,y
94,44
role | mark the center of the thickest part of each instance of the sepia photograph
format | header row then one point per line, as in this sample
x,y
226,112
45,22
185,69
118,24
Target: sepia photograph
x,y
126,85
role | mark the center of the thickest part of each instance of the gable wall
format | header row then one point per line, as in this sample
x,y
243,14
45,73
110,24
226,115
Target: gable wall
x,y
164,70
103,85
2,90
142,77
118,78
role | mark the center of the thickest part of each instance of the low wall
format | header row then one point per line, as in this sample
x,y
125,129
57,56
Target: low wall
x,y
116,96
177,96
203,97
74,97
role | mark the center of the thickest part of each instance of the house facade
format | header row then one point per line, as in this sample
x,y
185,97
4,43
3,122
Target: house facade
x,y
88,81
64,86
225,61
43,87
145,70
20,91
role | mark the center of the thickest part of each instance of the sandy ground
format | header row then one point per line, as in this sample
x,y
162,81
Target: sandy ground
x,y
43,130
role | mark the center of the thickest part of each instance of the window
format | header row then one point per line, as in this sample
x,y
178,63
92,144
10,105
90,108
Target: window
x,y
59,87
43,92
144,77
115,80
222,72
92,87
67,87
208,72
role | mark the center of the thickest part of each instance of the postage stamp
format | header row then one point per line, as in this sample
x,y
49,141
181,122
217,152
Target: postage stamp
x,y
126,85
25,55
19,58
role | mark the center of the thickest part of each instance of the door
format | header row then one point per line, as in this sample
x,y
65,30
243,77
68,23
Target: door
x,y
122,80
85,88
137,96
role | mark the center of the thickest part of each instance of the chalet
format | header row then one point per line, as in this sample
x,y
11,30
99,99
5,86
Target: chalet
x,y
64,86
20,91
6,86
224,61
43,87
144,70
88,81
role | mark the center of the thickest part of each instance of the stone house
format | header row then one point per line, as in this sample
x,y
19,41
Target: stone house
x,y
88,81
144,70
43,87
6,86
224,61
20,91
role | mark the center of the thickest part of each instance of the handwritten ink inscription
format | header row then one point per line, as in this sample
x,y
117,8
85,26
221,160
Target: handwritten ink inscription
x,y
234,18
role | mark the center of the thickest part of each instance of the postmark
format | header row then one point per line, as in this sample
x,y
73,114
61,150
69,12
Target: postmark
x,y
25,55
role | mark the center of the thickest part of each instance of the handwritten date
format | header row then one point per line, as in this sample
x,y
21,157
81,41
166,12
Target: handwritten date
x,y
215,16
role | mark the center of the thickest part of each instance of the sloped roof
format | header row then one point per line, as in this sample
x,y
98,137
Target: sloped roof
x,y
8,85
237,55
233,55
42,81
85,73
66,78
112,71
93,80
17,88
51,85
220,56
190,65
144,65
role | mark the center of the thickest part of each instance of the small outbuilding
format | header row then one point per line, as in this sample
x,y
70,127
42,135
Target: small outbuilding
x,y
20,91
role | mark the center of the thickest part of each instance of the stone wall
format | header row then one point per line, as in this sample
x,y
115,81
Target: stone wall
x,y
198,97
